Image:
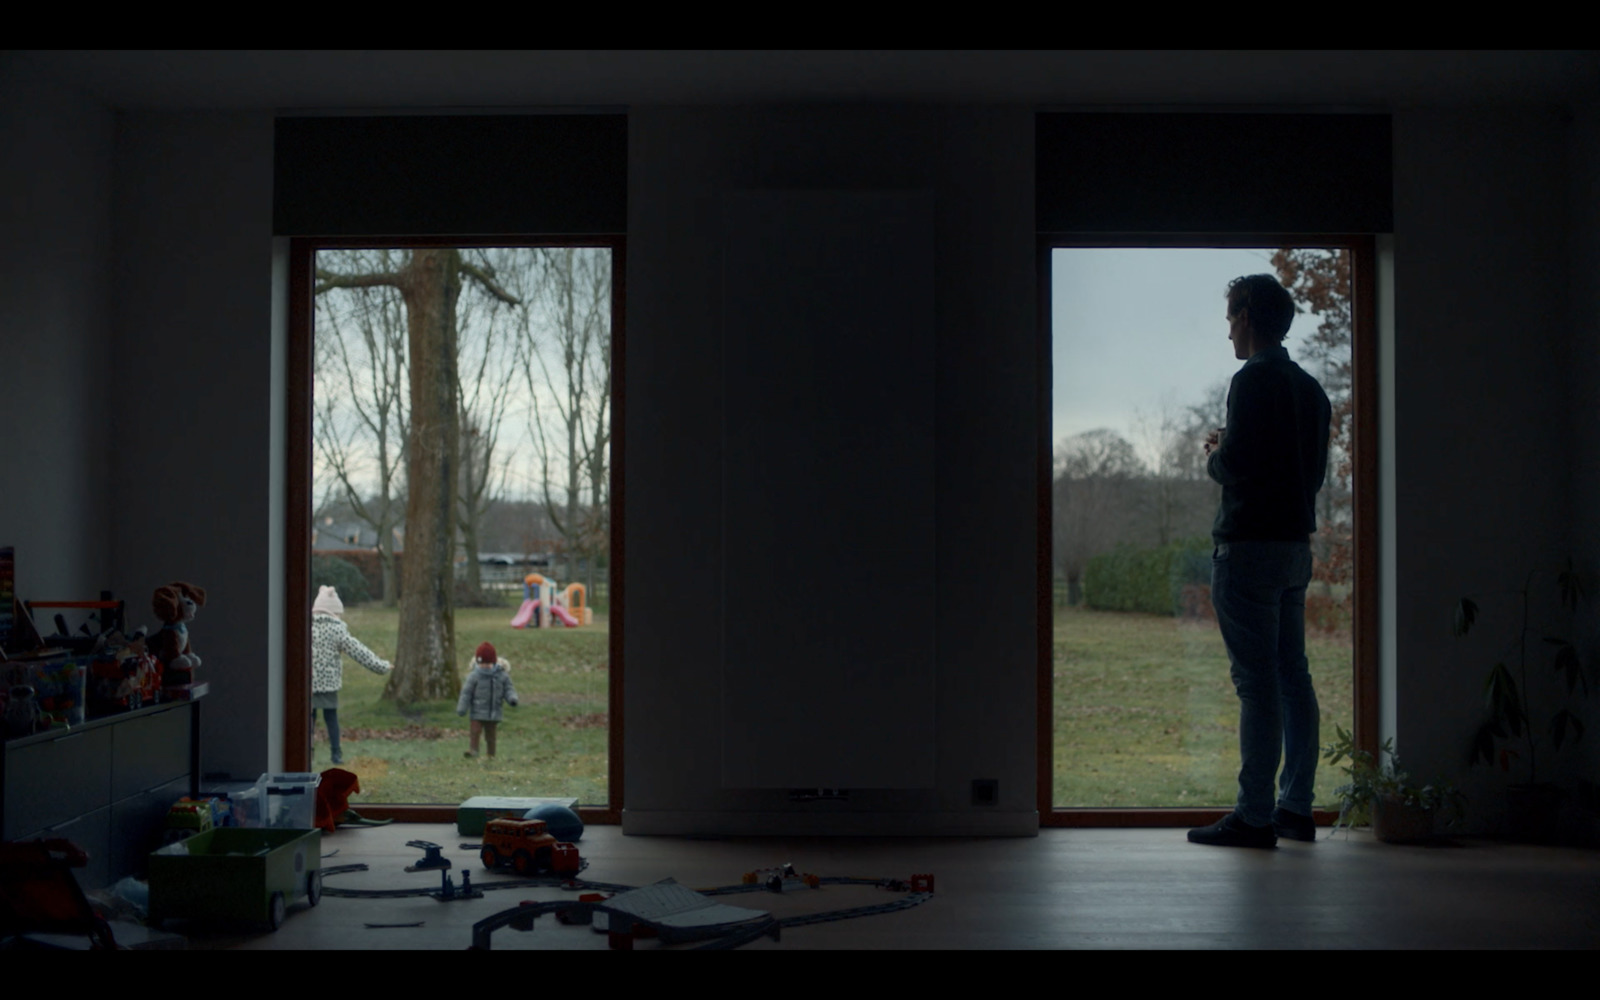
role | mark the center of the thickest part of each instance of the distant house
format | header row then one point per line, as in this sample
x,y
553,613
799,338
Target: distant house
x,y
513,558
331,533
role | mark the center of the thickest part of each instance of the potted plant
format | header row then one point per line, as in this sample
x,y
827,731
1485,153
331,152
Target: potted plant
x,y
1531,806
1382,794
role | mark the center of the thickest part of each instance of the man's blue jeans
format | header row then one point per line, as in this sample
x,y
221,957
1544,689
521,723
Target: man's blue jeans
x,y
1259,592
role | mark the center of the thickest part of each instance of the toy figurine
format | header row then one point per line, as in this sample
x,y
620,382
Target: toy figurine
x,y
23,716
123,675
175,604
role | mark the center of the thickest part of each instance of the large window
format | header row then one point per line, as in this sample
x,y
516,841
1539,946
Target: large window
x,y
1142,713
456,445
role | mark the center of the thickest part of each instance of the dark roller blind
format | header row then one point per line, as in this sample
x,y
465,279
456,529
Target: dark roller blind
x,y
447,175
1222,173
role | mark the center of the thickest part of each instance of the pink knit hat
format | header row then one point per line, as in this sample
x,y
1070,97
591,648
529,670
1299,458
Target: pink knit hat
x,y
486,653
328,602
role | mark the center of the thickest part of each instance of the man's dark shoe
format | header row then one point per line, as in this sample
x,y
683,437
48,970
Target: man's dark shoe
x,y
1231,831
1293,826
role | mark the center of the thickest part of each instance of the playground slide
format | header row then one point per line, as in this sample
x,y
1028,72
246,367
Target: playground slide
x,y
563,614
524,614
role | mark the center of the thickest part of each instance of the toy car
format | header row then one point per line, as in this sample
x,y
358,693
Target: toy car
x,y
188,817
528,847
185,819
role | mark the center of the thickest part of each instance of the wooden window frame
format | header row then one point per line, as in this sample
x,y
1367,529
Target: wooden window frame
x,y
1364,389
297,627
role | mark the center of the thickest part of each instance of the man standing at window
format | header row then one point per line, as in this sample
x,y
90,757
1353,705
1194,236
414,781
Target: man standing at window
x,y
1271,460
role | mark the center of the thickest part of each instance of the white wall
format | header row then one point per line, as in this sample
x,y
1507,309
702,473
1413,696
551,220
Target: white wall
x,y
189,492
1483,438
1584,414
978,163
155,462
58,396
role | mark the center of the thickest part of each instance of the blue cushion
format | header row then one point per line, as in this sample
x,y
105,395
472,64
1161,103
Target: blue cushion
x,y
562,822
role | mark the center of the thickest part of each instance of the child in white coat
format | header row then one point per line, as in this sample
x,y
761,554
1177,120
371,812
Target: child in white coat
x,y
330,637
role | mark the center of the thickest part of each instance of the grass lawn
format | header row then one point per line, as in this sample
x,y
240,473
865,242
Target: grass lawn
x,y
553,743
1145,712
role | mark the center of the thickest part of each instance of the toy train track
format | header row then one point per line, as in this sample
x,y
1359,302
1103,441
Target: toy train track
x,y
724,937
770,927
548,882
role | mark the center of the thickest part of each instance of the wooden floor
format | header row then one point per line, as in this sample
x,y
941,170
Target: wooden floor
x,y
1065,889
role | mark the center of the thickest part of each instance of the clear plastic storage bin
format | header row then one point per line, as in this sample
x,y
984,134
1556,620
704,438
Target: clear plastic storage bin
x,y
289,801
247,805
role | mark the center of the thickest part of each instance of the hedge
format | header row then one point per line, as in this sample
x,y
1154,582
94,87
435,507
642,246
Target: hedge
x,y
335,572
1154,581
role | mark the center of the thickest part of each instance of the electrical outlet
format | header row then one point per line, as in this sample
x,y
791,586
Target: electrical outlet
x,y
985,791
819,795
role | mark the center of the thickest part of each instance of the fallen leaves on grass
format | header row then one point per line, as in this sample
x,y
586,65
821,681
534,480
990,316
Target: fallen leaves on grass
x,y
368,767
410,731
558,697
593,720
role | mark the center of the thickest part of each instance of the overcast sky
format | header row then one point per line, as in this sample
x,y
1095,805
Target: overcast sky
x,y
1130,327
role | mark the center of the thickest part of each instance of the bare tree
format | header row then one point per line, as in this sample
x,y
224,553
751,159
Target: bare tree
x,y
566,363
486,373
1180,499
1094,491
361,424
430,283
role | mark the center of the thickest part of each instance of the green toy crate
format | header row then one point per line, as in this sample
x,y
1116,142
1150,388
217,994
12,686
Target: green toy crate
x,y
231,873
472,814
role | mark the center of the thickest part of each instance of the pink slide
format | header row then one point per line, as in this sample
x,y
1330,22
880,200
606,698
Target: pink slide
x,y
524,614
563,614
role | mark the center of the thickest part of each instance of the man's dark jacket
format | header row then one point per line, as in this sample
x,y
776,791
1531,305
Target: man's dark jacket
x,y
1274,453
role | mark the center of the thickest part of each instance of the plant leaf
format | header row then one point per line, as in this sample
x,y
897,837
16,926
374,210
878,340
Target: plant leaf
x,y
1559,725
1567,664
1571,586
1501,695
1483,745
1466,614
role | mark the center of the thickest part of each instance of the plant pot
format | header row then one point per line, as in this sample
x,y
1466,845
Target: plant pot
x,y
1532,812
1396,822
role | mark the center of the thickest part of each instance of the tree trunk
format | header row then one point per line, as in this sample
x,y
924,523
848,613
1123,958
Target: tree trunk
x,y
469,548
391,582
469,520
425,668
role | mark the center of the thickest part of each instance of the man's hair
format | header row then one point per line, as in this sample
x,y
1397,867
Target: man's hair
x,y
1271,307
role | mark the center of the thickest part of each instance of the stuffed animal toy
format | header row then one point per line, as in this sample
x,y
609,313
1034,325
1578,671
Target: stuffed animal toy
x,y
175,604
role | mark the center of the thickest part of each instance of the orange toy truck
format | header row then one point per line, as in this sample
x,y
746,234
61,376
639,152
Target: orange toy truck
x,y
528,847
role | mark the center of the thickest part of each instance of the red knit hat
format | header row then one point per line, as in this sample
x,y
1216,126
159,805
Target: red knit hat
x,y
486,654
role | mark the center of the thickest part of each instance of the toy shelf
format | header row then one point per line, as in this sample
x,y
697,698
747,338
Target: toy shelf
x,y
106,785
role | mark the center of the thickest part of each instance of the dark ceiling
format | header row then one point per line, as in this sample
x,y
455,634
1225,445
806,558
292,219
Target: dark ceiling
x,y
360,80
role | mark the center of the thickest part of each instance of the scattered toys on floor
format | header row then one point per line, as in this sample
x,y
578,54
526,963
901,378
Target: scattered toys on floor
x,y
780,878
564,824
527,846
431,856
448,891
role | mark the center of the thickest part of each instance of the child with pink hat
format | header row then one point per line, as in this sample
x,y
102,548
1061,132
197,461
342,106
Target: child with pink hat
x,y
330,637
